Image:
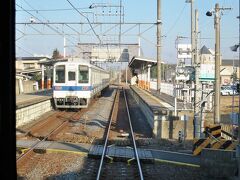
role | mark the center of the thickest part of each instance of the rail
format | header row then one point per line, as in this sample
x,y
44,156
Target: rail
x,y
133,139
132,135
106,140
54,131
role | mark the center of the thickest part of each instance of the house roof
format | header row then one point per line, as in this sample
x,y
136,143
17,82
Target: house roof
x,y
230,62
205,50
31,58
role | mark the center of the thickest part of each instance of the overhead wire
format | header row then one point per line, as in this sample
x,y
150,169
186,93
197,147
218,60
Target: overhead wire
x,y
176,21
46,18
55,30
87,20
24,50
33,9
49,10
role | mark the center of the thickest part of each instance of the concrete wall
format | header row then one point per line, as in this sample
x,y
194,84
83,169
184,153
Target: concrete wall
x,y
164,124
145,109
27,114
218,163
172,127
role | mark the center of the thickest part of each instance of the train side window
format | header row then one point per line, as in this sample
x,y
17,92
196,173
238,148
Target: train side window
x,y
71,76
83,75
60,74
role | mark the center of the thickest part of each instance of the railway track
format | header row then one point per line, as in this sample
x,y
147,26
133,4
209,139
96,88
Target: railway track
x,y
48,129
41,138
104,169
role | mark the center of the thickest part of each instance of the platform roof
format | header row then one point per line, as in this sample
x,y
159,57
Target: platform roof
x,y
51,62
27,71
137,62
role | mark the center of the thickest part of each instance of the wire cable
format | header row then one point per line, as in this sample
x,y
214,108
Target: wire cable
x,y
49,10
55,30
24,50
54,27
86,19
176,21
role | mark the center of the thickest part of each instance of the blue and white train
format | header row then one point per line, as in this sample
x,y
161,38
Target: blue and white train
x,y
75,83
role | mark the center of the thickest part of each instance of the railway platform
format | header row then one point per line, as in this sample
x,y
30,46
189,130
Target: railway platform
x,y
28,99
32,105
157,108
160,115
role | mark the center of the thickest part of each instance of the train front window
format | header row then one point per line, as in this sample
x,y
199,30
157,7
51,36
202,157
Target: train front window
x,y
83,75
60,74
71,76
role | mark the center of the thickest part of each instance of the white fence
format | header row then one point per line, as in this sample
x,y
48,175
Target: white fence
x,y
166,88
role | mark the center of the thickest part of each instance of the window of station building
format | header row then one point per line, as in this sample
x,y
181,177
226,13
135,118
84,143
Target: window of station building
x,y
83,75
71,76
28,65
60,74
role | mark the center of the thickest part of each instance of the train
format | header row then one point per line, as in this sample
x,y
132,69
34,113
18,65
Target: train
x,y
75,83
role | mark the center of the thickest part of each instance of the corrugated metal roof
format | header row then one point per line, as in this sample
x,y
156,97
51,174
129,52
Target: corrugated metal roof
x,y
136,62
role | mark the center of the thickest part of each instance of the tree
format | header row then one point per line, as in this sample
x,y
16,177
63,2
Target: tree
x,y
154,72
56,54
37,77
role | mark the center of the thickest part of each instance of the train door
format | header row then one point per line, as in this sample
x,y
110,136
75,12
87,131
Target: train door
x,y
71,75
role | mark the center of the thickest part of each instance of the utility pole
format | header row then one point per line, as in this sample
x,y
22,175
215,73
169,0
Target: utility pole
x,y
64,47
159,23
238,146
126,75
217,65
197,121
217,17
192,33
139,41
120,24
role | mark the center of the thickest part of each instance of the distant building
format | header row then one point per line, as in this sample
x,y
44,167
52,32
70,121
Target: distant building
x,y
26,69
228,67
107,52
207,55
169,72
27,63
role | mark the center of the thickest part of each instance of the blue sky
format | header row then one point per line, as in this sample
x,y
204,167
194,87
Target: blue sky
x,y
175,18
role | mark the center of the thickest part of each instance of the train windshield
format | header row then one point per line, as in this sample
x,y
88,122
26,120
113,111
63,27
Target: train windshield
x,y
83,75
60,74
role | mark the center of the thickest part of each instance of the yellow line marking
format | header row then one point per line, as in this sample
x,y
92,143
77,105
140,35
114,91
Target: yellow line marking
x,y
67,151
178,163
23,150
170,152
